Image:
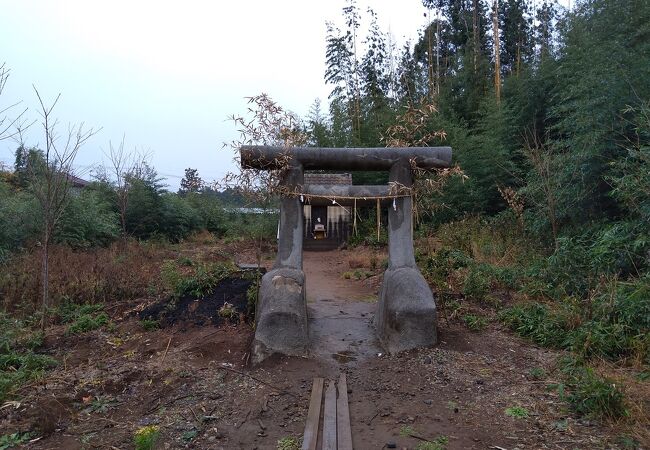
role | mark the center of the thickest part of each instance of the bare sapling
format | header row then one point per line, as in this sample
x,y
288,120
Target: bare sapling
x,y
51,178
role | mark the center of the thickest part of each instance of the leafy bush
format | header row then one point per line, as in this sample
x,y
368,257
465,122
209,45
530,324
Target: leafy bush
x,y
178,218
477,284
88,221
538,323
20,221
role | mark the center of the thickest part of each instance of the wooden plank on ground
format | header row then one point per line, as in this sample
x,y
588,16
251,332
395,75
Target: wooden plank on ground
x,y
329,418
343,431
310,436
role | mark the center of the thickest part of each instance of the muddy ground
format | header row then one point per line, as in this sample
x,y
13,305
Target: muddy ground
x,y
191,379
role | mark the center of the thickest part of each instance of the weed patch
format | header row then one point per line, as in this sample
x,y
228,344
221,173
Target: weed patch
x,y
145,438
589,394
475,323
439,443
288,443
196,280
87,322
517,412
14,440
150,324
18,361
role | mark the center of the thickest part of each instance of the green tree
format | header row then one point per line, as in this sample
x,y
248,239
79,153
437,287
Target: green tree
x,y
191,182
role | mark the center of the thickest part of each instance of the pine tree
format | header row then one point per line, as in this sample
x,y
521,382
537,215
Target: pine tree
x,y
191,182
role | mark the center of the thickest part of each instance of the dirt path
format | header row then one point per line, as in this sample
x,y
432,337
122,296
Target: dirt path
x,y
340,311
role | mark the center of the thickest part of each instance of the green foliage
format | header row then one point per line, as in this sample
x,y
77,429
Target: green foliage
x,y
474,322
197,281
20,221
145,438
288,443
228,311
407,430
517,412
178,218
100,404
613,325
149,324
88,221
537,373
439,443
18,361
252,295
14,439
588,394
69,312
477,283
538,323
87,322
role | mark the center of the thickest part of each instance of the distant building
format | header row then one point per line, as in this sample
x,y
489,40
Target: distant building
x,y
76,182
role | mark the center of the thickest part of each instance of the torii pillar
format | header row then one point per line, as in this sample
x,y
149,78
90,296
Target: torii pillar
x,y
406,313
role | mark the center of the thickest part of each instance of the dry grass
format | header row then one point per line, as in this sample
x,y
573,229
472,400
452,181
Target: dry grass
x,y
124,270
637,400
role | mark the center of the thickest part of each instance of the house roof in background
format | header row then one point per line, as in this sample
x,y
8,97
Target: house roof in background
x,y
77,182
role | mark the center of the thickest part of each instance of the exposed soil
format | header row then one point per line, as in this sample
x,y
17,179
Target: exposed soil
x,y
192,380
200,311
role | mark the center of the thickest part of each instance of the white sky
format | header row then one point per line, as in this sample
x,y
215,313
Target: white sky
x,y
168,74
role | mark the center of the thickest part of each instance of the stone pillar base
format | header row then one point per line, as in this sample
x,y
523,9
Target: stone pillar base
x,y
281,315
406,314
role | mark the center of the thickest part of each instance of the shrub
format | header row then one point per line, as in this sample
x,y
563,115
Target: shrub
x,y
88,221
538,323
20,221
69,312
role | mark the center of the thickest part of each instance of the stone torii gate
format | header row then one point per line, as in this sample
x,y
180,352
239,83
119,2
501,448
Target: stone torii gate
x,y
406,313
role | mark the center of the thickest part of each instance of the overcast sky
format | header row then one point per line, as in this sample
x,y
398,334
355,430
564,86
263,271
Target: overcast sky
x,y
168,74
